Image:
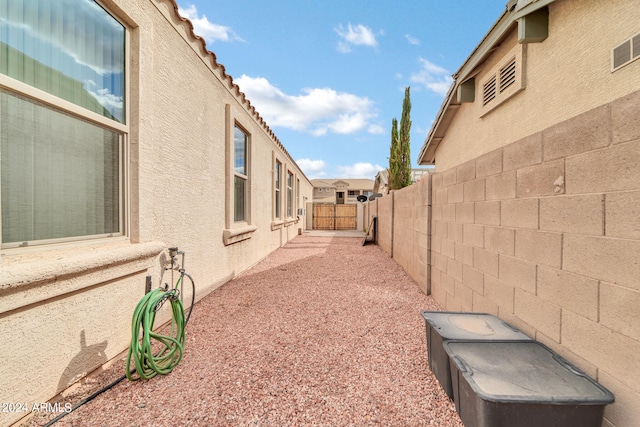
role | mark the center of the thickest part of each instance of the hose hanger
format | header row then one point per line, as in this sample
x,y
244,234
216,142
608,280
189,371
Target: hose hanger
x,y
169,348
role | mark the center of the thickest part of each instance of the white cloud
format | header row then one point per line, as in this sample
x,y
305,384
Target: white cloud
x,y
318,111
110,101
376,129
433,77
356,35
312,168
206,29
412,40
359,170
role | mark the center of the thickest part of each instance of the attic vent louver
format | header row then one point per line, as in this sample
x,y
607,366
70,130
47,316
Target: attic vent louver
x,y
508,75
489,91
625,53
505,79
622,54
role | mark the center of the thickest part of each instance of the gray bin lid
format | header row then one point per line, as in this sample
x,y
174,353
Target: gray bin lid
x,y
471,326
523,372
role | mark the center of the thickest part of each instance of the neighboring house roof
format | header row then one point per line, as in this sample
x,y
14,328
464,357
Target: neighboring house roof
x,y
351,183
207,56
515,9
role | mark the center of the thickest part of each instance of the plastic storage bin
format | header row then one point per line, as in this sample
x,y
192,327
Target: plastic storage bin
x,y
522,384
447,325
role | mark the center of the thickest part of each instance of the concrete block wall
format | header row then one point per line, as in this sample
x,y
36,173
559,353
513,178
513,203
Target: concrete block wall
x,y
384,210
411,231
544,233
404,227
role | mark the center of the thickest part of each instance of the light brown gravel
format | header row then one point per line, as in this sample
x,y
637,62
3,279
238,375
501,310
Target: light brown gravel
x,y
324,331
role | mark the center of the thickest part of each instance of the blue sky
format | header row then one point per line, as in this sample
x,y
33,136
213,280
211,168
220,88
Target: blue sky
x,y
329,76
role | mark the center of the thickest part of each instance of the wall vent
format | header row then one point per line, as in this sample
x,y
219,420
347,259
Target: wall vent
x,y
302,211
508,75
489,91
505,79
625,53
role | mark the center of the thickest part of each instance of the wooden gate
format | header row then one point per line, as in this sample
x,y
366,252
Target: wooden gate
x,y
329,216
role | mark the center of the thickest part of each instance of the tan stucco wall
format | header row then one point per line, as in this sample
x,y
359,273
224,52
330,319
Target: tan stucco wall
x,y
567,74
52,298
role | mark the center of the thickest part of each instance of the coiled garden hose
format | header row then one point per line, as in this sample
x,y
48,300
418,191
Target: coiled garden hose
x,y
165,360
169,355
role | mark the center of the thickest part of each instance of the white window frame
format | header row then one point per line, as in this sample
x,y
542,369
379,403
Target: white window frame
x,y
290,185
55,103
277,190
237,231
244,177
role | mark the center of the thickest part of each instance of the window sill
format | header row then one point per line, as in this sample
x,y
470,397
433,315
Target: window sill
x,y
235,235
277,224
290,221
70,269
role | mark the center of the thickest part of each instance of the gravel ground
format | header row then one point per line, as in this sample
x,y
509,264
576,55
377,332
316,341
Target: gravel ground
x,y
324,331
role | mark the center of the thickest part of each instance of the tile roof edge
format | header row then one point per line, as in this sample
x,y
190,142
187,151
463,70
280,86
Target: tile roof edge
x,y
233,86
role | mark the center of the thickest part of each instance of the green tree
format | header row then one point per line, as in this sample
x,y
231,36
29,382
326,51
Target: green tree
x,y
400,151
394,165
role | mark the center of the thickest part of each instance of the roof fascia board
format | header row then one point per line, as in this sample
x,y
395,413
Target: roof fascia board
x,y
525,9
486,46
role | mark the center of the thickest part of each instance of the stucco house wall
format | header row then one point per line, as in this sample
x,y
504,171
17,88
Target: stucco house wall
x,y
565,75
325,190
65,309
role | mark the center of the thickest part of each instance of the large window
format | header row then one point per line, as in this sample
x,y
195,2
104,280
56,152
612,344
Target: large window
x,y
72,49
277,190
298,193
62,121
289,194
241,175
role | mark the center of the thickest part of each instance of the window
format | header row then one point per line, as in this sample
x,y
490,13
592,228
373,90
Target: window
x,y
238,226
62,166
277,189
241,175
352,193
298,193
289,194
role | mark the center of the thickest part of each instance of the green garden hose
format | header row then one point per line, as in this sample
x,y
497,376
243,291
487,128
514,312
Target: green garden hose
x,y
169,352
146,364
